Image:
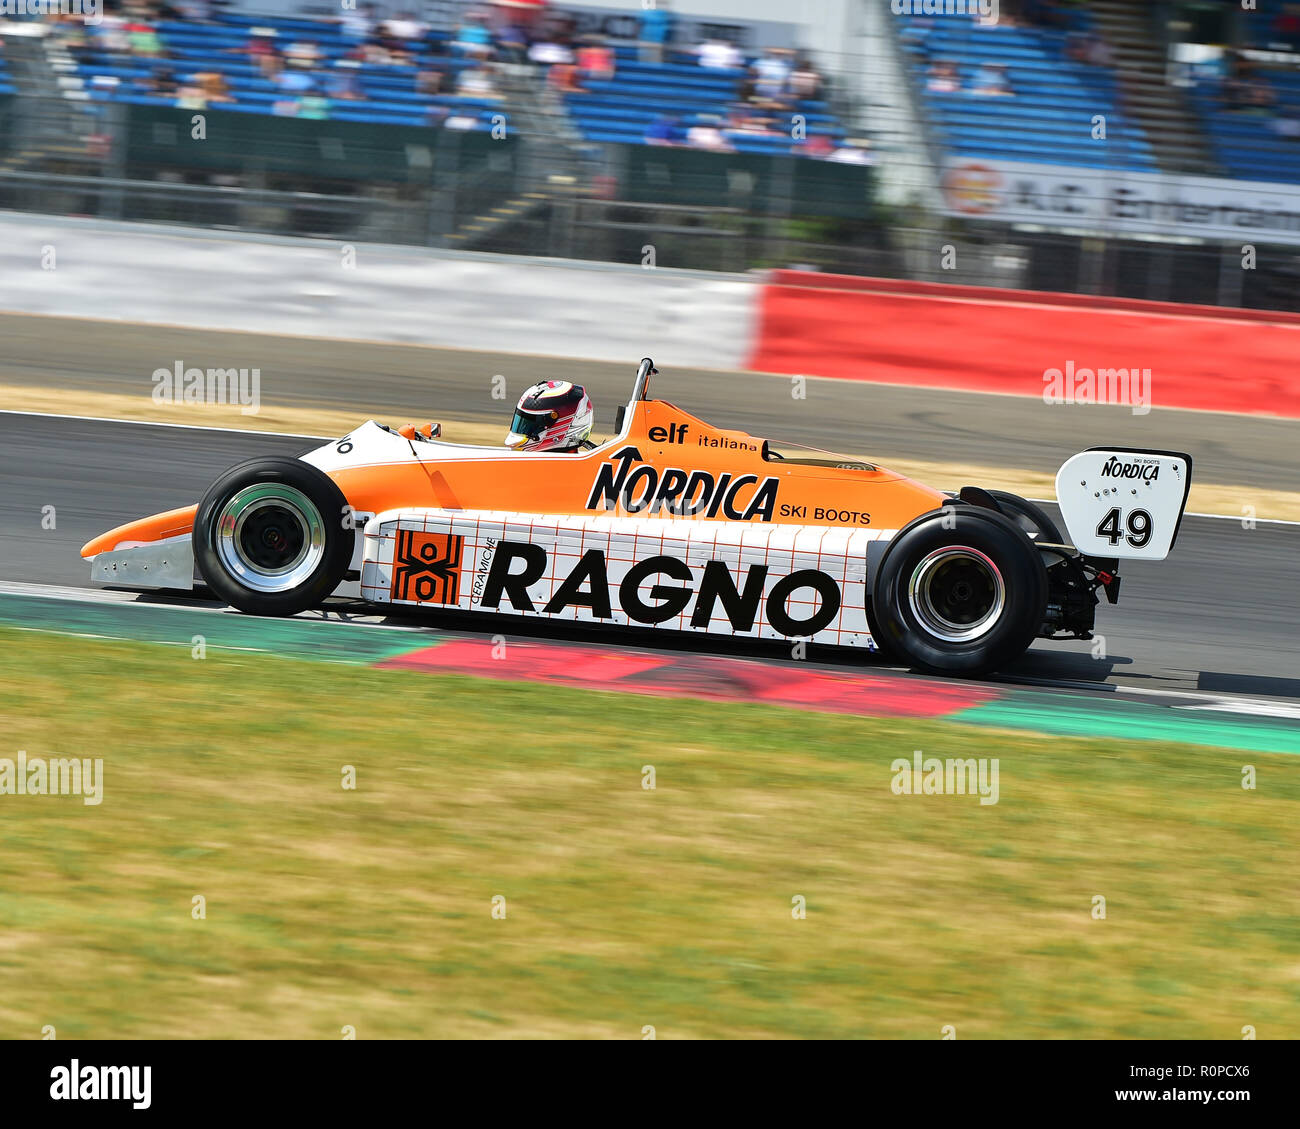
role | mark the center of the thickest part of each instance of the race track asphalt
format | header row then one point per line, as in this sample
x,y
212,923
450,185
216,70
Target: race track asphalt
x,y
1221,615
399,382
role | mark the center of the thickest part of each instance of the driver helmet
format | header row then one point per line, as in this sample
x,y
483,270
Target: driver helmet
x,y
550,416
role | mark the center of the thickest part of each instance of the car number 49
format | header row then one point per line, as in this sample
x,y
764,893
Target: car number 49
x,y
1137,528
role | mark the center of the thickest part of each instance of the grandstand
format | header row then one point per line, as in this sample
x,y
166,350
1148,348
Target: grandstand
x,y
619,109
1046,117
623,109
381,93
1255,143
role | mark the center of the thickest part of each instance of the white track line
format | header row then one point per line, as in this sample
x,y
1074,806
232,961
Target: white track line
x,y
161,423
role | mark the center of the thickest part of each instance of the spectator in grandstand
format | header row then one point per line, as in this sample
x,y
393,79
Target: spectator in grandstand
x,y
196,11
756,123
113,36
666,129
990,81
706,133
473,37
657,24
771,71
512,43
262,49
1287,124
161,81
391,36
214,87
303,55
1286,26
314,106
719,55
816,145
356,26
190,97
1245,88
549,51
344,81
596,59
564,78
143,39
942,77
1085,47
856,151
806,82
293,82
429,80
476,82
405,28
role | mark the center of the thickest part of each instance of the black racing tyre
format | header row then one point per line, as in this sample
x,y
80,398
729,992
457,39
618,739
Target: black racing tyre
x,y
960,591
1031,518
269,536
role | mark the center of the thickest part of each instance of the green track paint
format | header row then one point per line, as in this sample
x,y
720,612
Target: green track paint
x,y
324,640
1117,718
1106,718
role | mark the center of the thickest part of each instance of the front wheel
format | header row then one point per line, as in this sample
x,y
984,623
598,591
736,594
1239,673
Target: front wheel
x,y
269,536
960,591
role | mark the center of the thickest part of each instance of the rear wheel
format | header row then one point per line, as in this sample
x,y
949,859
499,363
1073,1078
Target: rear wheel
x,y
960,591
1031,518
269,536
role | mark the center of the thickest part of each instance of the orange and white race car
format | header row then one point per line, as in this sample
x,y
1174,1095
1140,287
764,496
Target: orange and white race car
x,y
673,525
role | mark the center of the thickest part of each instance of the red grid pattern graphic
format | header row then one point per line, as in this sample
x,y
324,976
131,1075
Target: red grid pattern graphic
x,y
783,549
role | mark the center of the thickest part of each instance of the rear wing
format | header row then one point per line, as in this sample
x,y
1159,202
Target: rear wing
x,y
1124,502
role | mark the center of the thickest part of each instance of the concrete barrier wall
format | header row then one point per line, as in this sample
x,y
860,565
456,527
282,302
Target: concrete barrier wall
x,y
214,280
969,338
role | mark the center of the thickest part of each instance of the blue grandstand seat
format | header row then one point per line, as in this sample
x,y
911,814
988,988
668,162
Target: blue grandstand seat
x,y
389,91
1049,118
640,93
1246,143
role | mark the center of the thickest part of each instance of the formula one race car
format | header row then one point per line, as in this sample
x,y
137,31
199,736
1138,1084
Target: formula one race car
x,y
674,525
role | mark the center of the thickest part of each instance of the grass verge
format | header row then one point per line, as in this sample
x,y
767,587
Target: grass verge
x,y
624,907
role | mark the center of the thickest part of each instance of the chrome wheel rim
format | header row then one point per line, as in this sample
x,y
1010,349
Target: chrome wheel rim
x,y
270,537
957,594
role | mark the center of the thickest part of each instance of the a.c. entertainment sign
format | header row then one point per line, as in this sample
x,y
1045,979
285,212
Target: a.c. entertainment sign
x,y
1115,202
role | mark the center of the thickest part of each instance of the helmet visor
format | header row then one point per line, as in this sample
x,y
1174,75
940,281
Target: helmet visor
x,y
531,424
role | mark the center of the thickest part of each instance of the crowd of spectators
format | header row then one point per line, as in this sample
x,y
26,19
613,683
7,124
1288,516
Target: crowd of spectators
x,y
987,81
770,84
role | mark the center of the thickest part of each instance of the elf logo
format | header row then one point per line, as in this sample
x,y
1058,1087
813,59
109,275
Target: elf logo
x,y
673,433
797,605
622,484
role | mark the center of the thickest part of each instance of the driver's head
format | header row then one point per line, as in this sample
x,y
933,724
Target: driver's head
x,y
553,415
